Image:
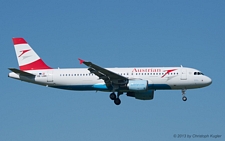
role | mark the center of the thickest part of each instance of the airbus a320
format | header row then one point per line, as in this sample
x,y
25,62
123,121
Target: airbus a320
x,y
137,82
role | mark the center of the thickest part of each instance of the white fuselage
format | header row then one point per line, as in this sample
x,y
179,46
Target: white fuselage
x,y
81,79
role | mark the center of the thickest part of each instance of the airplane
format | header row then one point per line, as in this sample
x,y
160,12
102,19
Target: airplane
x,y
137,82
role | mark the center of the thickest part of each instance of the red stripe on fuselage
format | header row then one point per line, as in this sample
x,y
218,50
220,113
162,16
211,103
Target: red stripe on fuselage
x,y
37,65
17,41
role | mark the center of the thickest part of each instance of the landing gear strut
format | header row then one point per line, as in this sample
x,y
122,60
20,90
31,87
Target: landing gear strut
x,y
115,98
184,98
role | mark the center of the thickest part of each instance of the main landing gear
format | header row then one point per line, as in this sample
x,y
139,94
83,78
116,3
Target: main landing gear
x,y
184,98
115,98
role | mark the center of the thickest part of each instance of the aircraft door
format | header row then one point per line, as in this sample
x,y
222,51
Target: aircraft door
x,y
183,74
49,76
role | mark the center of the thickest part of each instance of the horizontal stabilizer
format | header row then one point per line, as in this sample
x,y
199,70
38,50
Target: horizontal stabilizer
x,y
21,72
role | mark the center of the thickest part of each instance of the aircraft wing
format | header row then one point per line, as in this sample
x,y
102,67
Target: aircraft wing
x,y
21,72
102,73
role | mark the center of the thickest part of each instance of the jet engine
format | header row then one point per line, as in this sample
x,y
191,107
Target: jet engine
x,y
148,95
138,85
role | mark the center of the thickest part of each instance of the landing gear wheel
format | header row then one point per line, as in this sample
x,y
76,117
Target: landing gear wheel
x,y
112,96
184,98
117,101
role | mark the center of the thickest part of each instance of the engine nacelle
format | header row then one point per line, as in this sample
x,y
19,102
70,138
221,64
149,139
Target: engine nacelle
x,y
148,95
138,85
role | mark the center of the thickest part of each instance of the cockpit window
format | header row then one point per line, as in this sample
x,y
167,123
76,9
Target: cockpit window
x,y
198,73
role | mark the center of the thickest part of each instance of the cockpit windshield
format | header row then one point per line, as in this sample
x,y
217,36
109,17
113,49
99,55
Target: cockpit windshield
x,y
198,73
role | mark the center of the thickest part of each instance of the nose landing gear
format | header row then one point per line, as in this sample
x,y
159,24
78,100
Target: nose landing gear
x,y
184,98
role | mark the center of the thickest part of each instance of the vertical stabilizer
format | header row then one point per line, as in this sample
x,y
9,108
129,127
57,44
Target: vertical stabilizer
x,y
27,57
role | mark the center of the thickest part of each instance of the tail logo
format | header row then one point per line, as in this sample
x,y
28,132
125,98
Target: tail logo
x,y
23,51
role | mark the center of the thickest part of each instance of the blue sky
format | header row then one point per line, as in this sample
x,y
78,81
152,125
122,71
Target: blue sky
x,y
113,34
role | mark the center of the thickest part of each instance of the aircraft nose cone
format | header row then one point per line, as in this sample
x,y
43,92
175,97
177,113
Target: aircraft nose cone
x,y
208,81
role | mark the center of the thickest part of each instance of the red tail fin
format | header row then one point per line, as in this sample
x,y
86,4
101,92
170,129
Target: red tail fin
x,y
27,57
